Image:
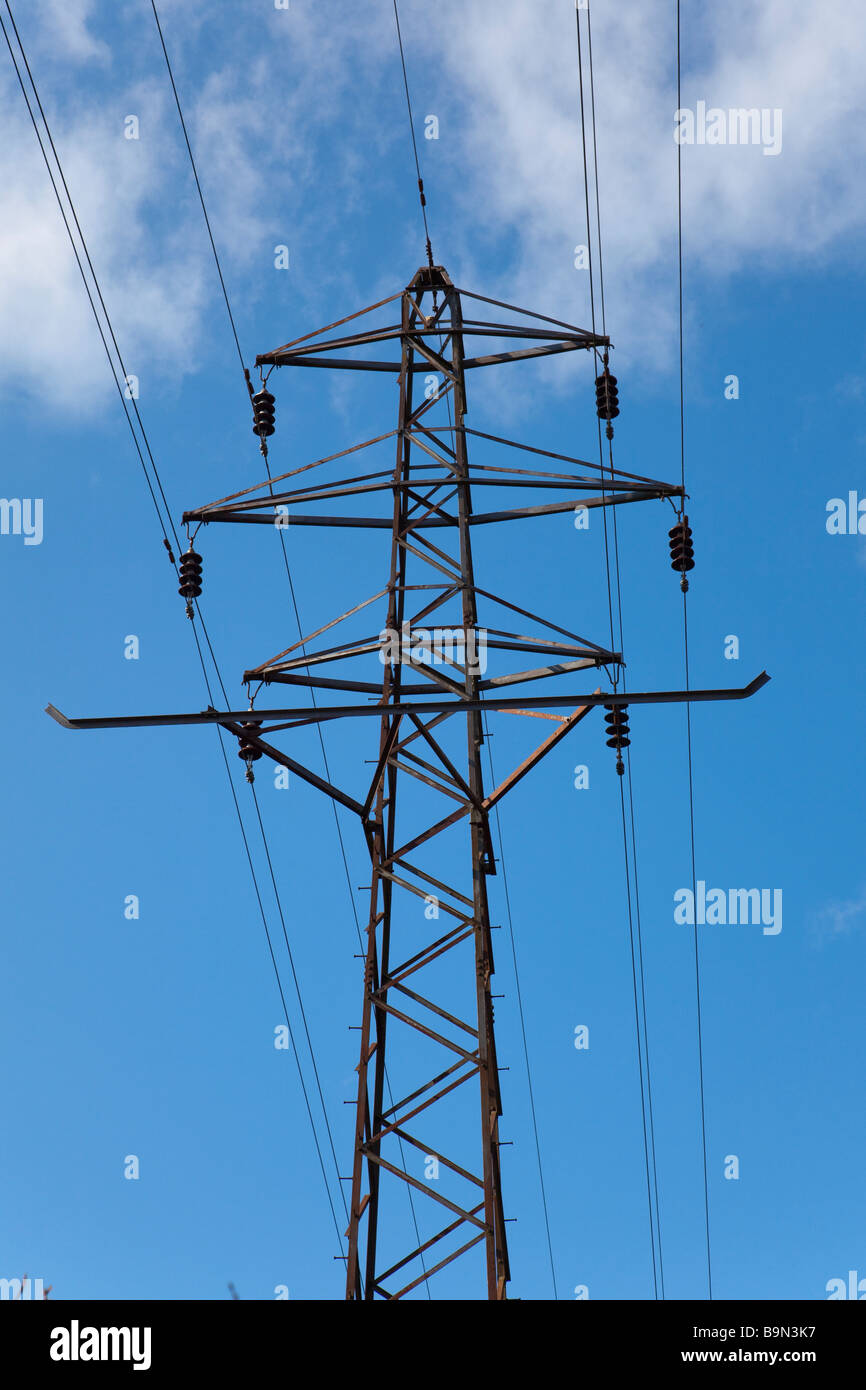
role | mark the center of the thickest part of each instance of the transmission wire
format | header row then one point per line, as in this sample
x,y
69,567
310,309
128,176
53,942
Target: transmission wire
x,y
686,660
633,915
414,142
297,619
522,1017
141,459
629,778
516,968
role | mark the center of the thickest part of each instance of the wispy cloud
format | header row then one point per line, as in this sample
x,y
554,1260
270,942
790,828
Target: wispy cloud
x,y
64,30
278,162
841,918
519,155
151,281
296,142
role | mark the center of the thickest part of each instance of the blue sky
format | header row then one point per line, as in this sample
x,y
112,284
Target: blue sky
x,y
154,1037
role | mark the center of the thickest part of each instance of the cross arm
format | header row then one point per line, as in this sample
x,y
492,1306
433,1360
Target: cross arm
x,y
323,712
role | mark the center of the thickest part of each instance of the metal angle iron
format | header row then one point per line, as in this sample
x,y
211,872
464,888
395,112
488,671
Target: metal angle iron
x,y
431,732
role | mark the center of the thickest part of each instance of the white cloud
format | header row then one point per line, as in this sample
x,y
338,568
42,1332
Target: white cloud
x,y
151,283
253,123
63,28
287,152
518,146
841,918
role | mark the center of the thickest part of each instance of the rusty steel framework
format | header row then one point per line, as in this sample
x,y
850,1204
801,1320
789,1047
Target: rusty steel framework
x,y
427,1018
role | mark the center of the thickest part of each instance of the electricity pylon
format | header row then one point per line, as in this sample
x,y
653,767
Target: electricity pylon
x,y
427,1017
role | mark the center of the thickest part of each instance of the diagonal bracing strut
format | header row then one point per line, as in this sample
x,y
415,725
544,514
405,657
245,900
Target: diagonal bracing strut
x,y
427,1022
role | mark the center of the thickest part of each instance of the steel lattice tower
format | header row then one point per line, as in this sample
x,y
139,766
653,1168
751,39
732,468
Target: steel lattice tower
x,y
427,1018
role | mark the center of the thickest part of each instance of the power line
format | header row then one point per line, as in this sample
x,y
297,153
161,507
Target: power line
x,y
294,972
595,164
634,917
498,824
516,967
288,570
343,854
414,141
519,992
522,1018
283,999
147,477
637,931
645,1026
686,659
629,778
285,559
198,184
166,525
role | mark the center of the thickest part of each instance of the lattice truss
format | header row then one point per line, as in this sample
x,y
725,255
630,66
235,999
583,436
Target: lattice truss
x,y
430,670
422,670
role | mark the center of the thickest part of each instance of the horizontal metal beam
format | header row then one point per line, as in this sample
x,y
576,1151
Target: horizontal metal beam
x,y
469,328
348,487
561,701
607,499
366,364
